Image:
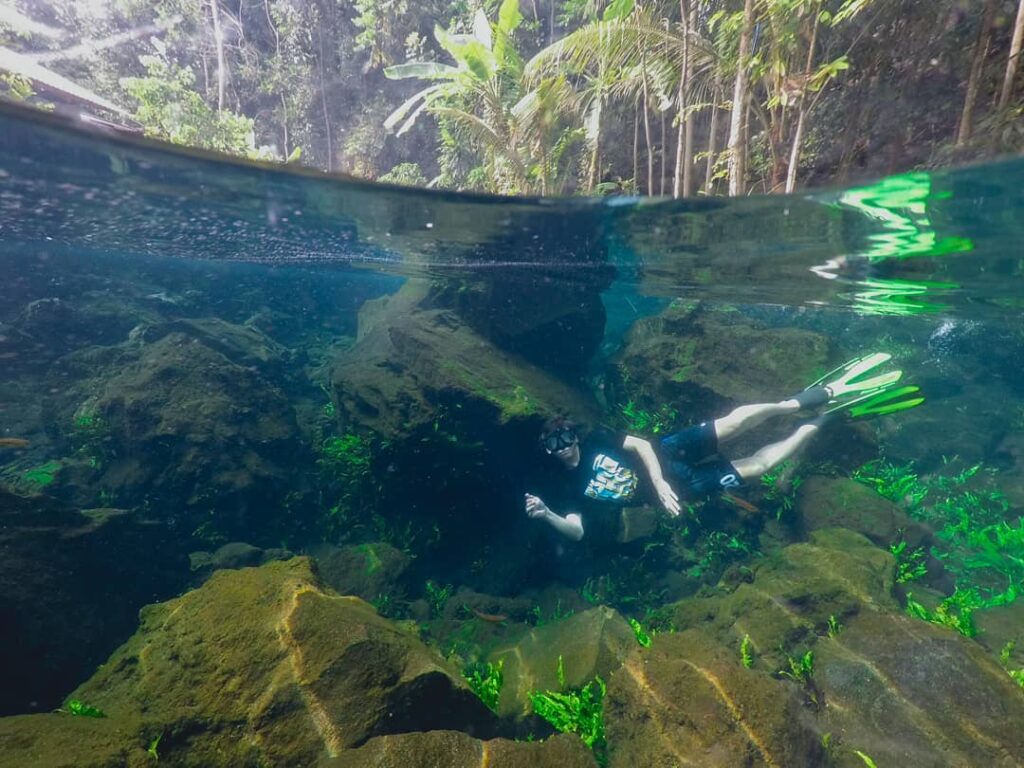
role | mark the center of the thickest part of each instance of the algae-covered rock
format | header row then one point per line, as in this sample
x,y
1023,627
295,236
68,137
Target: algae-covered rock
x,y
364,570
594,642
828,502
451,749
193,429
697,361
729,690
910,693
689,701
261,666
408,360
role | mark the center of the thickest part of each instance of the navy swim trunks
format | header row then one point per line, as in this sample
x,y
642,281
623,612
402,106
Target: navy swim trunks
x,y
691,458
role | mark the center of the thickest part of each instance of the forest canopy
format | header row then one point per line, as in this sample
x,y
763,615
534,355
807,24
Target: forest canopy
x,y
680,97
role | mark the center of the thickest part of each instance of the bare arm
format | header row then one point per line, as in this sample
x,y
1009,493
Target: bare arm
x,y
666,494
570,526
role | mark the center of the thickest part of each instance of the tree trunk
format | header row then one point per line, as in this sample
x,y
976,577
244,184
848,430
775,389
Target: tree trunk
x,y
684,90
1011,62
647,133
963,133
737,148
661,158
709,168
218,38
323,100
689,122
636,147
798,134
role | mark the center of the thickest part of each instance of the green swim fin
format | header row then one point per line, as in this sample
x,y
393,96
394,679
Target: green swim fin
x,y
849,379
876,403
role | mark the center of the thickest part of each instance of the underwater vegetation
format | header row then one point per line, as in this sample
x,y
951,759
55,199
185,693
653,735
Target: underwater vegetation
x,y
579,711
977,545
81,709
486,680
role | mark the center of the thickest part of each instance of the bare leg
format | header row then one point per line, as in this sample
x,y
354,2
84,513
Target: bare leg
x,y
774,454
749,416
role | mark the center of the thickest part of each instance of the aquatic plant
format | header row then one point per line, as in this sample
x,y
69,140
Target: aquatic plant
x,y
834,627
81,709
636,419
437,596
349,452
977,544
800,670
560,673
579,711
641,636
151,751
746,654
910,563
42,476
486,680
867,760
955,612
783,497
90,436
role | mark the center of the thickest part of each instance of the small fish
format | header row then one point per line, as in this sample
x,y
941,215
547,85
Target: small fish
x,y
494,618
741,503
13,442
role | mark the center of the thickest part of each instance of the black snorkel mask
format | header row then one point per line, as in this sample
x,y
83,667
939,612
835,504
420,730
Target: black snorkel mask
x,y
560,439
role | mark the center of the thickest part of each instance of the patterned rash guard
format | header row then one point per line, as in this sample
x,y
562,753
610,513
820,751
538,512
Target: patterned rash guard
x,y
606,474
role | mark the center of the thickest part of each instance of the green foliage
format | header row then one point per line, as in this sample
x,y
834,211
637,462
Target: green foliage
x,y
437,596
774,481
152,749
867,760
42,476
170,109
486,681
910,563
90,436
657,422
978,545
560,672
834,627
406,174
800,670
81,709
746,652
641,636
955,612
577,711
345,454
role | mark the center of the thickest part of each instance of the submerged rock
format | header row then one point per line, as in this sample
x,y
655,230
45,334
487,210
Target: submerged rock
x,y
410,360
451,749
260,666
899,690
594,642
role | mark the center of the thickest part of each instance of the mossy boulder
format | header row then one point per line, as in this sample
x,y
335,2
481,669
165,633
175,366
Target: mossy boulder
x,y
263,666
698,360
594,642
410,362
828,502
689,701
178,421
900,690
452,749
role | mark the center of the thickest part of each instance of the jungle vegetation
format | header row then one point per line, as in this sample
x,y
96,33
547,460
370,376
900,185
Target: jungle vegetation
x,y
663,97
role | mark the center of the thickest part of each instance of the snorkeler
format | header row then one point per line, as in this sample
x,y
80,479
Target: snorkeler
x,y
602,467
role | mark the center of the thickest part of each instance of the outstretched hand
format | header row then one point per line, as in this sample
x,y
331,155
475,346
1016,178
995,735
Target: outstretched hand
x,y
535,507
668,497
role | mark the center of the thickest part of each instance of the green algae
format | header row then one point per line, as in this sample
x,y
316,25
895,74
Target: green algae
x,y
42,476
